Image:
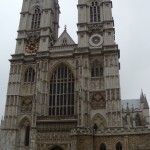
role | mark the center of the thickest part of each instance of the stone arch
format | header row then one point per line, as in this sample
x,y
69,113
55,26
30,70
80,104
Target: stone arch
x,y
23,120
57,64
99,122
31,11
55,147
61,91
119,146
24,131
102,146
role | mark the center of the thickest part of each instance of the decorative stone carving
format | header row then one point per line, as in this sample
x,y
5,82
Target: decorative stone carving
x,y
26,105
98,101
33,36
95,28
81,131
111,60
54,136
97,84
99,121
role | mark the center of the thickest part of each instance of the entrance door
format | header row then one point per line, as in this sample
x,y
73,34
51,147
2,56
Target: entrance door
x,y
57,148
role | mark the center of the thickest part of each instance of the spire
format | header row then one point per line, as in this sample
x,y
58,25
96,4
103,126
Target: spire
x,y
146,106
142,98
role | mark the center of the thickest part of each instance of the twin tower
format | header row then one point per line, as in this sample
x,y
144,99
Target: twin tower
x,y
62,95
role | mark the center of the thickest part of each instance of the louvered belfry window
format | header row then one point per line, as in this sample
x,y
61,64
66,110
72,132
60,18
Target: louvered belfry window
x,y
36,18
61,97
94,12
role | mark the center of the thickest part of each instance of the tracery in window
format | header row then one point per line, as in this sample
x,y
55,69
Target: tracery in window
x,y
36,18
102,146
119,146
96,69
61,97
29,75
64,42
94,12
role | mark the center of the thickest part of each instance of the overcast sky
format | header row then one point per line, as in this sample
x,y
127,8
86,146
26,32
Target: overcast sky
x,y
132,25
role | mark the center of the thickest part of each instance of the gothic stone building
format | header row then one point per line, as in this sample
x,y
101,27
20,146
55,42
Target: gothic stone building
x,y
66,96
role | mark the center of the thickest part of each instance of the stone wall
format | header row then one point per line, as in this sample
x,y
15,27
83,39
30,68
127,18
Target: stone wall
x,y
7,140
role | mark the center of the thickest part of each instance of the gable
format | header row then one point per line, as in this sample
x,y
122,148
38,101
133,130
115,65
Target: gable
x,y
64,40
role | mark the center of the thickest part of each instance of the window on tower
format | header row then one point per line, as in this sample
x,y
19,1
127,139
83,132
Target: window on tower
x,y
36,18
96,69
29,76
61,97
94,12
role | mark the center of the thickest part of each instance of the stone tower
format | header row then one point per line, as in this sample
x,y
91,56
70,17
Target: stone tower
x,y
62,95
100,76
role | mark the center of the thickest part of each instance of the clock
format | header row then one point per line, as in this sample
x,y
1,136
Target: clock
x,y
32,47
96,40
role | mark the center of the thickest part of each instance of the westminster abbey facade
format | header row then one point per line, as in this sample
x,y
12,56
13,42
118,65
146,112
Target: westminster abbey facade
x,y
66,96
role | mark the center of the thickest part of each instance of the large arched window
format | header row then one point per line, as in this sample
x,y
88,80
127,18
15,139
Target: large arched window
x,y
61,98
36,18
94,12
29,76
119,146
96,69
102,146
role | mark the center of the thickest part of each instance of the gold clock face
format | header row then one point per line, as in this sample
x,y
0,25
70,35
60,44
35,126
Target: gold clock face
x,y
32,47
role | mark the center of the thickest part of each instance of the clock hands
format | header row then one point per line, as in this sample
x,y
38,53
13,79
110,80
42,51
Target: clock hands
x,y
32,47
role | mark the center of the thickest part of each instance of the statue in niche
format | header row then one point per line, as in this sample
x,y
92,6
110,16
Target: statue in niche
x,y
98,101
26,105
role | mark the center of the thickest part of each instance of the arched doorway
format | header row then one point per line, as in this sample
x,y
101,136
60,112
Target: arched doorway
x,y
57,148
